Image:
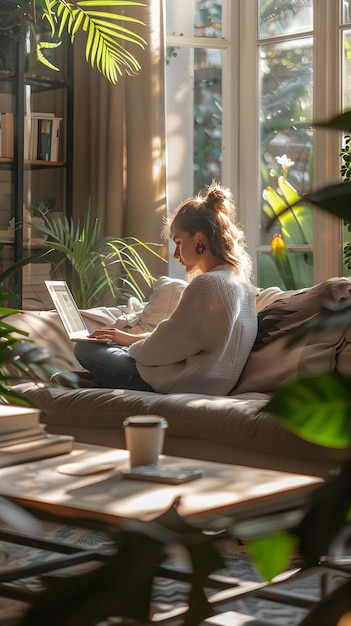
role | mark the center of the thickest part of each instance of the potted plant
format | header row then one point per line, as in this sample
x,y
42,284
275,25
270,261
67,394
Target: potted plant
x,y
97,269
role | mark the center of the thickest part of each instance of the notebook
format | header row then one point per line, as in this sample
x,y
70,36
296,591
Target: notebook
x,y
68,312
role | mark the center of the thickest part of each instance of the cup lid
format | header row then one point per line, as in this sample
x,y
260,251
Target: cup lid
x,y
146,421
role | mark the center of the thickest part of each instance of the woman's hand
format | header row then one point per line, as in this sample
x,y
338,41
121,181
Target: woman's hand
x,y
117,336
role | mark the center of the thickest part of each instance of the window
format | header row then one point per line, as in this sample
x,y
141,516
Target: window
x,y
239,76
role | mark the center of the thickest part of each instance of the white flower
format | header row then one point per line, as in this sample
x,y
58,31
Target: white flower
x,y
285,162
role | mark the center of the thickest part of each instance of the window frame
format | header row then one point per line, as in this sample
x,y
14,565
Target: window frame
x,y
240,147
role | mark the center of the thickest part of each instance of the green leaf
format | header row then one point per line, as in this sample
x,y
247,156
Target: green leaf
x,y
44,60
339,122
335,199
104,29
295,219
271,555
316,408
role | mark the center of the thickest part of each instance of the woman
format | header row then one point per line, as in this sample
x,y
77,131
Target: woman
x,y
203,346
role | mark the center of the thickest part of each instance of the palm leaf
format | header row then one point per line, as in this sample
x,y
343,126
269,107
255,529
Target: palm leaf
x,y
42,58
106,35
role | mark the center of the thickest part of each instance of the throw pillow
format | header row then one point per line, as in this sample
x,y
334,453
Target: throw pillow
x,y
271,362
164,299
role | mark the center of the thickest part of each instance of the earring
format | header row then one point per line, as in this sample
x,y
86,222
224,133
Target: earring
x,y
200,248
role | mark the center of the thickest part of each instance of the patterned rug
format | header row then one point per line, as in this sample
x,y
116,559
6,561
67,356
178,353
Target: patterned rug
x,y
167,595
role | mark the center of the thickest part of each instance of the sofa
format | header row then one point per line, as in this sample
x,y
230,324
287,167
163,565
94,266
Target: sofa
x,y
232,429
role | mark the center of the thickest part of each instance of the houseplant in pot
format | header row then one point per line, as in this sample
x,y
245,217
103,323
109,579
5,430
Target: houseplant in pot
x,y
97,269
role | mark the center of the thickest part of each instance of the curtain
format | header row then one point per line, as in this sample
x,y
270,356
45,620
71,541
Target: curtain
x,y
119,140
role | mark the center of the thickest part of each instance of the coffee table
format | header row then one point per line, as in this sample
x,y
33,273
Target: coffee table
x,y
107,497
59,487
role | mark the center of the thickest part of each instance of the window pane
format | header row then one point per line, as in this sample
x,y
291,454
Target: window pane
x,y
346,90
285,17
207,116
199,18
286,154
207,18
194,118
346,11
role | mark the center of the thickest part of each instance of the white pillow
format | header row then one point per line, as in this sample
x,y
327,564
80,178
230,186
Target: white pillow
x,y
164,299
139,317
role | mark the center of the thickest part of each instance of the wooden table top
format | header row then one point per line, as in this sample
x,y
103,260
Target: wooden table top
x,y
107,497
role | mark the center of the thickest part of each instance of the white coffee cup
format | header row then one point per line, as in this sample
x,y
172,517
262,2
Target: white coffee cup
x,y
144,436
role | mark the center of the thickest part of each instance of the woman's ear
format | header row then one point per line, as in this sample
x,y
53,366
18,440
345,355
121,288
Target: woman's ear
x,y
200,237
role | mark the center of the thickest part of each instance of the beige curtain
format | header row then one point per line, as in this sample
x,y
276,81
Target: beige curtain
x,y
119,140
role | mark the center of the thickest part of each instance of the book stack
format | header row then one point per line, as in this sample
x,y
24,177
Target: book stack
x,y
23,438
41,136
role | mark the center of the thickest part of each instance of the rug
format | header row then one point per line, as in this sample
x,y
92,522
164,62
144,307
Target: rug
x,y
167,594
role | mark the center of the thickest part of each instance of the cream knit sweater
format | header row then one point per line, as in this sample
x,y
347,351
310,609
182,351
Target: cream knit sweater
x,y
203,346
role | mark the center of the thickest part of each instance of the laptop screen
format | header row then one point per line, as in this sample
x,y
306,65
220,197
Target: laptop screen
x,y
66,308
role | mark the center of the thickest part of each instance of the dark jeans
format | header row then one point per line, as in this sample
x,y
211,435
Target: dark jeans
x,y
110,364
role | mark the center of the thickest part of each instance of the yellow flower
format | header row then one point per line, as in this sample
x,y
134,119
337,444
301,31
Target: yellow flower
x,y
278,246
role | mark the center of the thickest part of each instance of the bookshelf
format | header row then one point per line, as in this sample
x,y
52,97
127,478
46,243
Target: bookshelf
x,y
34,100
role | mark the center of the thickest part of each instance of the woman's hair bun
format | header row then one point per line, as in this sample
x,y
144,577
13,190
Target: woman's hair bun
x,y
220,198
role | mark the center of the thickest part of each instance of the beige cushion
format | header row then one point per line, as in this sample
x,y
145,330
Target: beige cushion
x,y
271,363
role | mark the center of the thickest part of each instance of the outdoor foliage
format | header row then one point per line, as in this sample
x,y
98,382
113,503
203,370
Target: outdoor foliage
x,y
296,228
345,172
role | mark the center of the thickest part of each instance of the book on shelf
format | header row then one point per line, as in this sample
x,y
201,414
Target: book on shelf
x,y
44,139
42,448
15,418
55,138
33,139
41,136
7,135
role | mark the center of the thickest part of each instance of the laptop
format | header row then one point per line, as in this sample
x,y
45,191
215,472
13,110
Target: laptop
x,y
68,312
